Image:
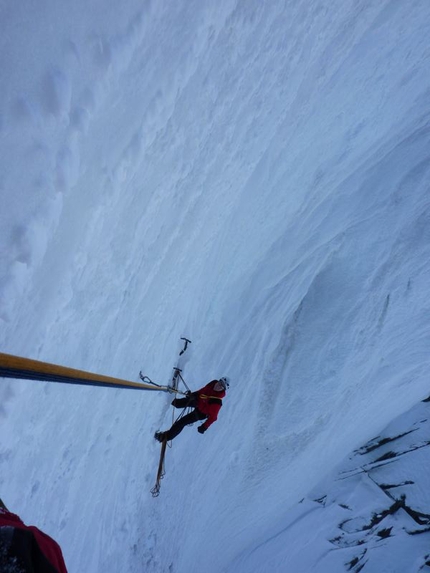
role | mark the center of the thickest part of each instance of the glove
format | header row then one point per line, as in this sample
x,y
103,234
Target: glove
x,y
201,429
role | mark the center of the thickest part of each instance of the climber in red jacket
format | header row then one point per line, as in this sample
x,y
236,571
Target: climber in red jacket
x,y
206,402
26,549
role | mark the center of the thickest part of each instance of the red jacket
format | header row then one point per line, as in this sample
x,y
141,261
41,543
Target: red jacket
x,y
209,402
33,548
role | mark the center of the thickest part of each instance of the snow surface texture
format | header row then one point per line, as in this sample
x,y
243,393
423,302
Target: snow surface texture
x,y
372,513
253,175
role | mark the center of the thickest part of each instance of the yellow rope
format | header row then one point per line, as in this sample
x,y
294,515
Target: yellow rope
x,y
26,369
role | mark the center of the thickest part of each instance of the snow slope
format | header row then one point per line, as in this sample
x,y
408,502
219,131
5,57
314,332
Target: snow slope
x,y
371,513
252,175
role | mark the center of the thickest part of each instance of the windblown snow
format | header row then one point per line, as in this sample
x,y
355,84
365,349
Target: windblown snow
x,y
254,176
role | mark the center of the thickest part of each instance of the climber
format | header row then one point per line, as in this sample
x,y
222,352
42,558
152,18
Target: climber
x,y
206,404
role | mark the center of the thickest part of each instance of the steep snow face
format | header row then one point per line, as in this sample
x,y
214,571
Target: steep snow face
x,y
371,513
252,175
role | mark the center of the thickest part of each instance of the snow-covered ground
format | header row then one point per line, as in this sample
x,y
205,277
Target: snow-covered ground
x,y
253,175
372,513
